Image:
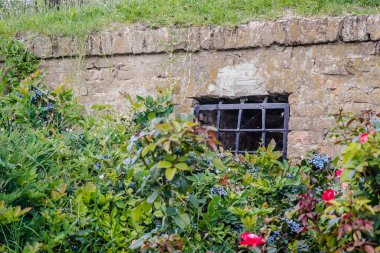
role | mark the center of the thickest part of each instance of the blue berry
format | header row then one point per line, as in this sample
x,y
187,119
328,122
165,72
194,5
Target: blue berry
x,y
318,190
289,176
237,227
294,190
219,191
294,226
273,236
98,165
319,161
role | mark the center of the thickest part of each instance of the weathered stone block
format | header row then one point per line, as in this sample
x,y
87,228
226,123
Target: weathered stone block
x,y
66,46
313,31
373,27
121,42
281,29
218,37
94,44
205,37
305,137
42,47
357,107
193,39
106,38
354,28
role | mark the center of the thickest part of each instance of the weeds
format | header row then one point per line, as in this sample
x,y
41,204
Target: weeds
x,y
79,20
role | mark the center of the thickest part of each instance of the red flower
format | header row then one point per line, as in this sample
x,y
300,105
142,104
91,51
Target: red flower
x,y
328,195
338,173
249,239
363,138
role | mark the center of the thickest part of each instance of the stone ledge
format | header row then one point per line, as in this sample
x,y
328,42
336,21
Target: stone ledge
x,y
137,39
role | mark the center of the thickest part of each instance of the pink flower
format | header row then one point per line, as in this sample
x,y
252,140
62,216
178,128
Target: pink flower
x,y
363,138
328,195
338,173
249,239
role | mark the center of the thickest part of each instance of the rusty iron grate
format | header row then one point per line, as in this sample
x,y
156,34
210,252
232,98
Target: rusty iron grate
x,y
245,127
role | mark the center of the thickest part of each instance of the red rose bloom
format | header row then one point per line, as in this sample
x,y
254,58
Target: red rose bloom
x,y
249,239
363,138
328,195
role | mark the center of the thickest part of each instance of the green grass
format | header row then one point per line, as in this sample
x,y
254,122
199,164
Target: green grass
x,y
95,16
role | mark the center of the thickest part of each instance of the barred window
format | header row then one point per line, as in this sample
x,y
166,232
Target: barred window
x,y
245,126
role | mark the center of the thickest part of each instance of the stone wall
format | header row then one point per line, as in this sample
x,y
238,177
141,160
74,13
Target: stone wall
x,y
322,64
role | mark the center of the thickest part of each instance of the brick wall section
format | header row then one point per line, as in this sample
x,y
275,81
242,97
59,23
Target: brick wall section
x,y
323,64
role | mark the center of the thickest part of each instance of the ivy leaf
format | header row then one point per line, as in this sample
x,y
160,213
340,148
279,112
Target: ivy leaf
x,y
148,148
182,166
170,173
164,164
182,220
152,197
218,163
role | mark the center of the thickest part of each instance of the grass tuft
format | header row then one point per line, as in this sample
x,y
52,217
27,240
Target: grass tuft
x,y
97,14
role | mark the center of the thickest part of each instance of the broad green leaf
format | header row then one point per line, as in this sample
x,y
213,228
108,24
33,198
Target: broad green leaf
x,y
151,116
182,220
136,214
148,148
164,164
182,166
152,197
218,163
170,173
158,214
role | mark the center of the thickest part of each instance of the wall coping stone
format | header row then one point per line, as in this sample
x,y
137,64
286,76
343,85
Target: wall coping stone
x,y
138,39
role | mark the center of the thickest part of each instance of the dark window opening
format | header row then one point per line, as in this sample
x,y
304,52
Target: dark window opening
x,y
245,124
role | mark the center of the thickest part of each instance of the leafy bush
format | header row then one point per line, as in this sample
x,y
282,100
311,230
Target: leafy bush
x,y
157,182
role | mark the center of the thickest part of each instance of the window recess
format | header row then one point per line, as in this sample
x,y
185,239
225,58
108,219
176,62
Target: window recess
x,y
247,125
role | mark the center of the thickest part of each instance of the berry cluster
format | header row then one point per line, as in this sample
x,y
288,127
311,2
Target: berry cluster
x,y
273,236
319,161
252,170
219,191
318,190
38,94
294,226
237,227
289,176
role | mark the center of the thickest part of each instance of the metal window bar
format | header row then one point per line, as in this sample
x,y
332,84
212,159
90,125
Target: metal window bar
x,y
249,106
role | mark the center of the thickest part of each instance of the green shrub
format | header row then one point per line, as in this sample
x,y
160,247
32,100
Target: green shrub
x,y
157,182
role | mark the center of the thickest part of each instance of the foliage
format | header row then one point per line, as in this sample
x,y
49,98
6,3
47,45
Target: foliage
x,y
350,222
157,182
147,109
18,63
81,19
